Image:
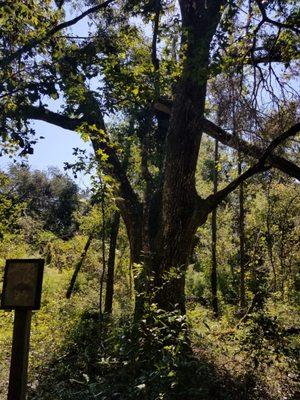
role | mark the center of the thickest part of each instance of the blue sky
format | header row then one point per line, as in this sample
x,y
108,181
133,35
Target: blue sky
x,y
54,150
57,145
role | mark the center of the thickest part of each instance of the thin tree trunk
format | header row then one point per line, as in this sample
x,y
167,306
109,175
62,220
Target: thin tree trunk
x,y
235,126
103,260
130,280
78,267
242,238
270,238
214,276
114,229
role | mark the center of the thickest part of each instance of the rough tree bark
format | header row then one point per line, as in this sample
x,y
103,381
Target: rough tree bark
x,y
181,208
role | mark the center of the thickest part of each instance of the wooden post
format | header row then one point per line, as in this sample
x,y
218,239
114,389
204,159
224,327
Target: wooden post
x,y
19,355
22,288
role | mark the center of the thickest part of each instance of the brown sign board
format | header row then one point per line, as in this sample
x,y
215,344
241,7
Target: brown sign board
x,y
22,284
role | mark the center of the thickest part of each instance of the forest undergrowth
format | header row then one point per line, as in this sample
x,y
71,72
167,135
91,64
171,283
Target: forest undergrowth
x,y
248,354
74,356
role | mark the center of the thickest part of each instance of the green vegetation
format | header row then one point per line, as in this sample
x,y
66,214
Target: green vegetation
x,y
177,275
250,355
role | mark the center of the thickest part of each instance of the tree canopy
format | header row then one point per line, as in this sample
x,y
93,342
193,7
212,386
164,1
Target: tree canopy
x,y
139,85
50,199
190,233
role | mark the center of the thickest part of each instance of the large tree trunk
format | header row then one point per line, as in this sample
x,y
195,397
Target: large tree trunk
x,y
114,229
161,231
181,213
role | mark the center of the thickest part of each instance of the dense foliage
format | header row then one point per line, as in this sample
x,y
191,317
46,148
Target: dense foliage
x,y
48,200
234,357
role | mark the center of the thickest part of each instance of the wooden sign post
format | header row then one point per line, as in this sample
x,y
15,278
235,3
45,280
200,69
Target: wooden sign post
x,y
22,287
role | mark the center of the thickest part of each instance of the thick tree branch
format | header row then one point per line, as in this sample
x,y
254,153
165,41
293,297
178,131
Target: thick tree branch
x,y
292,131
215,199
270,58
42,114
65,122
227,139
4,62
266,58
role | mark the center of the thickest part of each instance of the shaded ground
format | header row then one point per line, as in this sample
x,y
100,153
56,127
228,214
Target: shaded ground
x,y
102,363
73,357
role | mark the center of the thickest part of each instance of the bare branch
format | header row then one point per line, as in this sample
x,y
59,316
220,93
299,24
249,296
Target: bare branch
x,y
273,22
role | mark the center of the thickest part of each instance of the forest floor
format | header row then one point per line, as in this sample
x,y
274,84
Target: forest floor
x,y
73,356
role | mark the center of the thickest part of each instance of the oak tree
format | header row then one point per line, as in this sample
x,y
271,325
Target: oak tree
x,y
137,82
